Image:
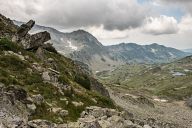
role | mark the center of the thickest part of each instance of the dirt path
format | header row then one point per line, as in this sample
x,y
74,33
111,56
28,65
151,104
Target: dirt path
x,y
173,112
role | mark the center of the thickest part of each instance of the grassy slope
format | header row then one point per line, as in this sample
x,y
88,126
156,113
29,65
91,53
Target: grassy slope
x,y
14,71
155,80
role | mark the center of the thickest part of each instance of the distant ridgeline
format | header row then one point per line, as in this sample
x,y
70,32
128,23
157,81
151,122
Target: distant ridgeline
x,y
82,46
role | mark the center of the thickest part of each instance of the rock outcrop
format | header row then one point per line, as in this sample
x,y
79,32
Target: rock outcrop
x,y
7,27
25,28
13,112
32,42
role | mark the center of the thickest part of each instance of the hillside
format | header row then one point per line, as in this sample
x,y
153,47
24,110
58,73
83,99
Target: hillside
x,y
38,83
171,81
159,91
82,46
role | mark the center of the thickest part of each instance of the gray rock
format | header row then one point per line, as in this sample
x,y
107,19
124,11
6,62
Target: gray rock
x,y
41,124
32,108
63,113
77,104
13,113
146,126
50,60
38,99
40,53
37,40
46,76
25,28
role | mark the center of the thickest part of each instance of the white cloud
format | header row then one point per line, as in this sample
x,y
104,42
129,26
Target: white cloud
x,y
186,24
160,25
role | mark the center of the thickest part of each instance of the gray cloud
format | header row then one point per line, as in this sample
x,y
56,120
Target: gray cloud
x,y
112,14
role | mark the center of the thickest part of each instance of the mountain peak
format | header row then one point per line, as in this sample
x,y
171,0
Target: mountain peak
x,y
81,31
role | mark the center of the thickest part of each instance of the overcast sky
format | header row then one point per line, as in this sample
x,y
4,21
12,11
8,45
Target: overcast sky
x,y
167,22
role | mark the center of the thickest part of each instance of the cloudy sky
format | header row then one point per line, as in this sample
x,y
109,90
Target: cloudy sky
x,y
167,22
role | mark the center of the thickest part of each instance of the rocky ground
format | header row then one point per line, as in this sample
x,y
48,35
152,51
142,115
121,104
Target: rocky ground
x,y
163,113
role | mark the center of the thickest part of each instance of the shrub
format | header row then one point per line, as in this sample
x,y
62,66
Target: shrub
x,y
84,81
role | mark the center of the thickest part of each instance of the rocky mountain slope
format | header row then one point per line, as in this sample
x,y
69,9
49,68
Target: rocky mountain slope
x,y
39,85
82,46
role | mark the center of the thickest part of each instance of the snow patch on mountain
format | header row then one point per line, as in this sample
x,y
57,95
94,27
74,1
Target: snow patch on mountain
x,y
74,48
153,50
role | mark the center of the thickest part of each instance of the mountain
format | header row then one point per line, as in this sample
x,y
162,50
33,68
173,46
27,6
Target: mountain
x,y
187,50
84,47
153,53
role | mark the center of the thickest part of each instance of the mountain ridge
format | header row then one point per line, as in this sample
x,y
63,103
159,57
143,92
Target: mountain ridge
x,y
82,46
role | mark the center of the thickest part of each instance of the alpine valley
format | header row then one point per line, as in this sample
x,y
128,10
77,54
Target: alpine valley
x,y
51,79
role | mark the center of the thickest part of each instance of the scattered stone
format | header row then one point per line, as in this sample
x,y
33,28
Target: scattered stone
x,y
50,60
56,110
38,99
77,104
15,54
41,124
46,76
32,108
73,125
63,113
40,53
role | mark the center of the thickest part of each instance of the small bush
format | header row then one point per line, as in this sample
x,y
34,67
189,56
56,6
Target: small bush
x,y
84,81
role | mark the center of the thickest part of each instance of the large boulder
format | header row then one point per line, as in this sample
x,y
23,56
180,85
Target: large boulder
x,y
13,113
32,42
37,40
25,28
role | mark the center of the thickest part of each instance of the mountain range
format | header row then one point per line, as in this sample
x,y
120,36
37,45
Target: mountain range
x,y
84,47
187,50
